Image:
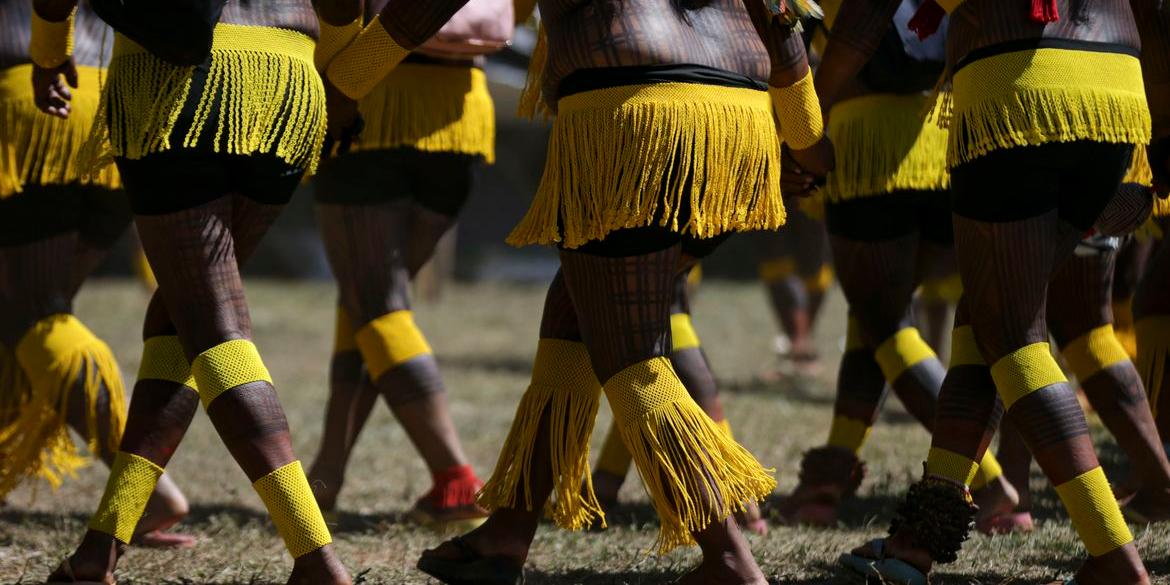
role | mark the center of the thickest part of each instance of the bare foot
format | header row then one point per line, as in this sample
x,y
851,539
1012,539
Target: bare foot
x,y
606,487
727,558
751,520
320,567
1148,505
1120,567
167,506
326,483
997,499
723,571
93,561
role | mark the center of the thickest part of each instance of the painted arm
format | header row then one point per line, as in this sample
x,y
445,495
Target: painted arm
x,y
854,37
51,51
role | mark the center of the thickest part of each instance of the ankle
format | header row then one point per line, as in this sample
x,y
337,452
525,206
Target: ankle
x,y
97,554
1121,567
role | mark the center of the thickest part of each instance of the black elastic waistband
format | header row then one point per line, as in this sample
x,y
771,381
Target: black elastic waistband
x,y
594,78
1043,43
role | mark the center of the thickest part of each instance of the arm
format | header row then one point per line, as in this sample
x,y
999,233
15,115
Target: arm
x,y
51,51
857,31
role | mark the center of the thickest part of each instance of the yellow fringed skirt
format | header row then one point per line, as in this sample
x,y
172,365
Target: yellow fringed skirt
x,y
39,149
262,94
1042,95
432,108
700,160
883,145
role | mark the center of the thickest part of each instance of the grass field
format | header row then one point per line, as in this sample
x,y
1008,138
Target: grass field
x,y
485,336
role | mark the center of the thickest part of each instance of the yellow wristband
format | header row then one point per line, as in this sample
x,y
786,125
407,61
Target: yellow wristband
x,y
798,109
333,40
358,68
51,43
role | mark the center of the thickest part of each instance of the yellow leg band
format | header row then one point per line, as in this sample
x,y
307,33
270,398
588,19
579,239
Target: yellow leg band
x,y
226,366
131,482
564,385
1094,512
681,455
366,61
848,433
854,341
904,350
951,465
821,281
682,332
964,350
614,458
946,289
344,339
776,270
389,341
51,43
290,502
798,111
163,359
1153,354
1024,371
1094,351
989,471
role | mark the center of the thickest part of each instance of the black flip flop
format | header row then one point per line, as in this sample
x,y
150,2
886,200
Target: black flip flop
x,y
472,568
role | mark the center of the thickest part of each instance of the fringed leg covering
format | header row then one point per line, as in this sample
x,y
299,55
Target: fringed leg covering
x,y
694,472
564,386
57,354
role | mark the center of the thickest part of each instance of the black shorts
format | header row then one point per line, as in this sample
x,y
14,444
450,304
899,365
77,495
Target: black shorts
x,y
890,216
438,181
183,178
99,215
1075,178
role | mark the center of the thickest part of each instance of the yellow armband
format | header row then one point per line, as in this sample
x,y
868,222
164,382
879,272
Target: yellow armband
x,y
366,61
799,112
51,43
333,40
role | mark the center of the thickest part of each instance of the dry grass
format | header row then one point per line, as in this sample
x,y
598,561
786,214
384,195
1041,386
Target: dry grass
x,y
485,336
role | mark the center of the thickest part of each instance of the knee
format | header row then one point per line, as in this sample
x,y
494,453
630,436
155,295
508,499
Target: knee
x,y
389,341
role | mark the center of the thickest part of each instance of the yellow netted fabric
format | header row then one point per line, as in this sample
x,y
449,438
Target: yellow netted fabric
x,y
333,39
389,341
163,359
848,433
950,465
1094,512
294,510
226,366
883,145
682,332
38,149
262,95
1024,371
902,351
623,156
51,42
131,482
362,65
1094,351
433,108
798,113
1038,96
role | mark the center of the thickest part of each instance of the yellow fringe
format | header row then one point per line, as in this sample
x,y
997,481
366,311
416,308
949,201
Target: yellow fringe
x,y
1153,355
1033,97
619,157
56,354
434,108
39,149
564,385
1139,171
269,96
681,454
1161,207
532,99
883,146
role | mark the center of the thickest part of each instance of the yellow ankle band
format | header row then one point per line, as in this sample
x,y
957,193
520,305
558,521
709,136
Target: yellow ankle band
x,y
226,366
725,426
163,359
989,471
854,341
819,282
951,465
343,334
390,340
848,433
773,271
294,511
1094,351
129,487
1153,349
1024,371
614,458
904,350
680,453
964,349
1094,512
798,110
682,332
333,39
366,61
51,43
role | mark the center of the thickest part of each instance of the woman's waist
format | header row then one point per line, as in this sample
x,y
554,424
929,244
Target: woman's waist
x,y
682,79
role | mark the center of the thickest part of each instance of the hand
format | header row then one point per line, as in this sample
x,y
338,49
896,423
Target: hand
x,y
51,91
803,171
344,121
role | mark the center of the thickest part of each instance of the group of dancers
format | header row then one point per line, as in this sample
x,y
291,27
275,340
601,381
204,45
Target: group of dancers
x,y
675,125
